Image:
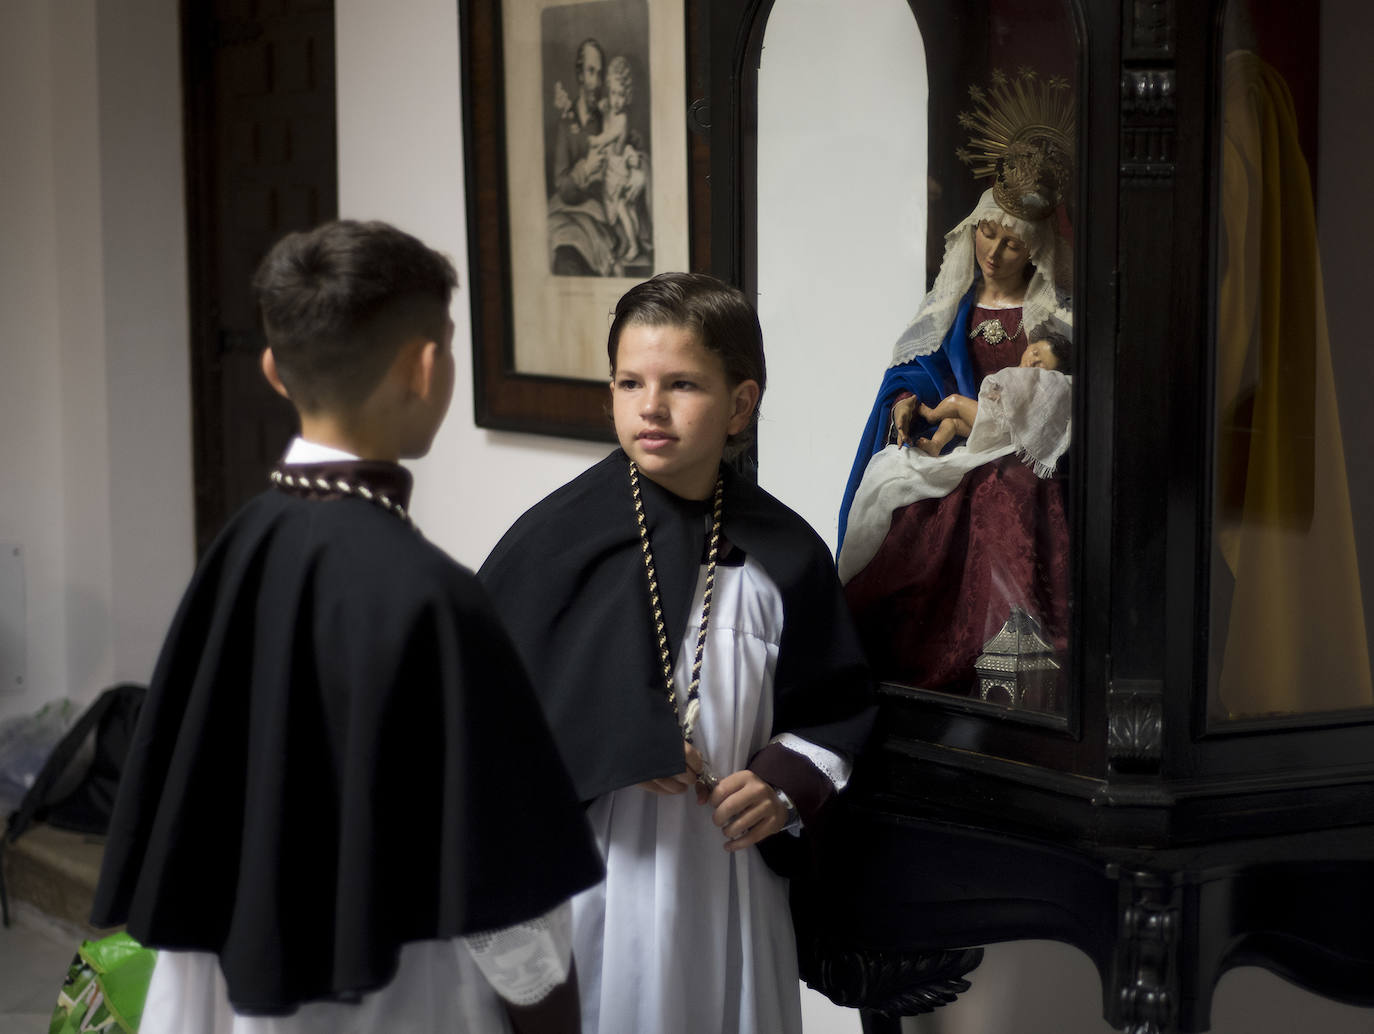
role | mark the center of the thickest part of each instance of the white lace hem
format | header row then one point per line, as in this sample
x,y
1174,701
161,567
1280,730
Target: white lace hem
x,y
524,962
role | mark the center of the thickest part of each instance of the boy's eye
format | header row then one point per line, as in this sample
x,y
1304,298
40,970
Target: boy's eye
x,y
625,383
684,385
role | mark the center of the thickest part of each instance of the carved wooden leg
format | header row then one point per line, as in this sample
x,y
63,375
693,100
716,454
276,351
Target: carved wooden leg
x,y
1144,991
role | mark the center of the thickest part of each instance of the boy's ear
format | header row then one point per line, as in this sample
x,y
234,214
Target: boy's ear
x,y
269,370
744,397
422,357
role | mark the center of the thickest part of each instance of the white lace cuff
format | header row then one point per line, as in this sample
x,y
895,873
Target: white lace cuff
x,y
524,962
828,763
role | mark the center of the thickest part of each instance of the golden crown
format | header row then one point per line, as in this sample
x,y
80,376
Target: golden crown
x,y
1022,135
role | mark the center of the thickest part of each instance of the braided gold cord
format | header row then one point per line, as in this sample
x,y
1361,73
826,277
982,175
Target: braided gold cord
x,y
707,592
694,687
346,488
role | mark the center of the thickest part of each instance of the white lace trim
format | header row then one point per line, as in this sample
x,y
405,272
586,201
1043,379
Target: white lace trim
x,y
831,765
524,962
1047,294
1029,407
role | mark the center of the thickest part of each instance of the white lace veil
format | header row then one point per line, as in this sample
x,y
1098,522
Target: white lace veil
x,y
1047,295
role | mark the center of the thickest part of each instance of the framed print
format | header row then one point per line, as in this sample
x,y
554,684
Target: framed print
x,y
576,136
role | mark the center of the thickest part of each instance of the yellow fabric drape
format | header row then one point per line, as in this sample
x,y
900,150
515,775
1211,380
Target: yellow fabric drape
x,y
1295,638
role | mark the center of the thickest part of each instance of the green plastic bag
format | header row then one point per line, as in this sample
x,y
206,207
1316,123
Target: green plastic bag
x,y
106,987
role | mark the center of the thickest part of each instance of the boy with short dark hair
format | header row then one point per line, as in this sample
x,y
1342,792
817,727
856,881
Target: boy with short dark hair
x,y
343,809
694,655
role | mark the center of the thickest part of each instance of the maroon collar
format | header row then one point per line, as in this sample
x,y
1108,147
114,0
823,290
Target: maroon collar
x,y
379,478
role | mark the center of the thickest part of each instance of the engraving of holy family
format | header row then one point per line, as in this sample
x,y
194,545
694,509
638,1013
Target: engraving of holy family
x,y
597,145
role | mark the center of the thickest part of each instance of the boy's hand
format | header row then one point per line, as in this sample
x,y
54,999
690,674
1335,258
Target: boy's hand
x,y
683,781
747,810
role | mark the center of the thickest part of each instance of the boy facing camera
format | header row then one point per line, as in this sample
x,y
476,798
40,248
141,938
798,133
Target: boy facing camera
x,y
342,809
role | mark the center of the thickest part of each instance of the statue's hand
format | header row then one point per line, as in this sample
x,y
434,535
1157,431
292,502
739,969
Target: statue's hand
x,y
902,413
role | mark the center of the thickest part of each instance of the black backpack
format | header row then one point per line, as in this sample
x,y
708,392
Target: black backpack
x,y
75,789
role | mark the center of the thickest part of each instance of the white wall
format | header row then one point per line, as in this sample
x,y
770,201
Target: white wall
x,y
94,407
30,391
842,231
400,159
86,570
146,323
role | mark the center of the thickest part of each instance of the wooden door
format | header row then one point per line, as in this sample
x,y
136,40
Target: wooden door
x,y
261,161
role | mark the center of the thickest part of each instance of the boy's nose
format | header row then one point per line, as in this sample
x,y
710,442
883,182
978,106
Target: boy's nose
x,y
653,403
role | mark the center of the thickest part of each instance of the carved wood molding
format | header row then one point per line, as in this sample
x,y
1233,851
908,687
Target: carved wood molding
x,y
1135,725
1148,123
891,983
1147,91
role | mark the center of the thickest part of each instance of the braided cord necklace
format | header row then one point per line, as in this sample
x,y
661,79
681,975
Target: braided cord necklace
x,y
687,719
342,487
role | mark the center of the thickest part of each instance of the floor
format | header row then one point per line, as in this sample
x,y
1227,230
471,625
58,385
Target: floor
x,y
35,952
1045,987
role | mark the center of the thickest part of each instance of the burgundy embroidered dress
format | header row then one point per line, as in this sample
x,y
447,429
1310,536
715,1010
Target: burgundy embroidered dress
x,y
950,569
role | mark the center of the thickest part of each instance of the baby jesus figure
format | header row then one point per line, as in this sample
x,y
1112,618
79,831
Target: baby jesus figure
x,y
955,414
625,175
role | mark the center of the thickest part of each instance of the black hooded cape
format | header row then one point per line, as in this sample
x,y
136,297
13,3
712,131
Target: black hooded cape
x,y
339,753
568,581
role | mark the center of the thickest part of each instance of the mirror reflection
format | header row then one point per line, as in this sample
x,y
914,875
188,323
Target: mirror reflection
x,y
1293,495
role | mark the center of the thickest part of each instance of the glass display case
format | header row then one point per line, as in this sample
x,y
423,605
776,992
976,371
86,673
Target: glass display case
x,y
1154,740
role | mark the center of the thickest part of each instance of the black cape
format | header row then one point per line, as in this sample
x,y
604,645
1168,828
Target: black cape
x,y
339,753
568,580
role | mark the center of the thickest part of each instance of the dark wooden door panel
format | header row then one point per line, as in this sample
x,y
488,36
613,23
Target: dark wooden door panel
x,y
261,161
